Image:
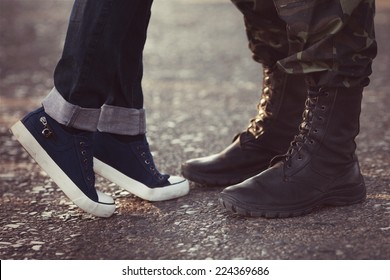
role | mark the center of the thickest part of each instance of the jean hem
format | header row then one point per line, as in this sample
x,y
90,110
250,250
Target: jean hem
x,y
123,121
69,114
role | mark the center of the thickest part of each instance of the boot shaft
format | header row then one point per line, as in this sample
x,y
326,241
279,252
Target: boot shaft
x,y
340,125
328,130
279,110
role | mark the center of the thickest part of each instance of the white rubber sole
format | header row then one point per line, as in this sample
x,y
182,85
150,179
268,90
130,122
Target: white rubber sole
x,y
106,205
179,186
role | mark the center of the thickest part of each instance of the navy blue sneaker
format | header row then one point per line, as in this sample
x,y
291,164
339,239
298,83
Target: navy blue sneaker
x,y
130,165
66,157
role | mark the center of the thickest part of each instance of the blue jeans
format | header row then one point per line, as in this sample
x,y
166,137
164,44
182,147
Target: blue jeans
x,y
98,78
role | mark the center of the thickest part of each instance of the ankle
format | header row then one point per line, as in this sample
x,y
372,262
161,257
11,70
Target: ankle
x,y
72,130
129,138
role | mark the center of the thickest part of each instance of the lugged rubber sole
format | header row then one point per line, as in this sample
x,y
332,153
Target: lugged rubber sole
x,y
31,145
179,186
338,198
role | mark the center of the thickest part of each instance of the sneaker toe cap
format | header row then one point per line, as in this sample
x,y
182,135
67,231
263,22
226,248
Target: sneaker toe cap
x,y
104,198
173,180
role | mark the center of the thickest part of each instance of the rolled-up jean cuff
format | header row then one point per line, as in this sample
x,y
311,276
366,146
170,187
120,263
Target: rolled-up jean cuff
x,y
69,114
120,120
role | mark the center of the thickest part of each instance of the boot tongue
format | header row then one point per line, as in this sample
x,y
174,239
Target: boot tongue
x,y
246,137
313,92
248,141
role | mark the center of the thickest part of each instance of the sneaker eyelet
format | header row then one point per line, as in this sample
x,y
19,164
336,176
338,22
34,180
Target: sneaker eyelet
x,y
147,161
46,132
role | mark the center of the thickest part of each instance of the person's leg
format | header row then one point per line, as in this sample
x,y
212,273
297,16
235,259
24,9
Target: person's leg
x,y
282,100
59,136
98,66
101,63
121,150
334,46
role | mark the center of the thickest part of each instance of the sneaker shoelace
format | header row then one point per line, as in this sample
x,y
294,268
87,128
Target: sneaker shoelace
x,y
86,153
147,158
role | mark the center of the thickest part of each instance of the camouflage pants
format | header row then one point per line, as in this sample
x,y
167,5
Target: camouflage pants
x,y
331,41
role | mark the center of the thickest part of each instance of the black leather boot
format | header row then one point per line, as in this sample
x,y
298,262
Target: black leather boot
x,y
320,167
269,134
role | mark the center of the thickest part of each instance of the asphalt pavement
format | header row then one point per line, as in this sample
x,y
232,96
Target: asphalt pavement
x,y
201,87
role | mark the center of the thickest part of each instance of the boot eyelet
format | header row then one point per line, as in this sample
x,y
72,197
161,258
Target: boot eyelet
x,y
147,161
83,152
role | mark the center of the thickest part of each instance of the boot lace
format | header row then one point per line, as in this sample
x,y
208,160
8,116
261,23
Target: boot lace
x,y
256,125
305,129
